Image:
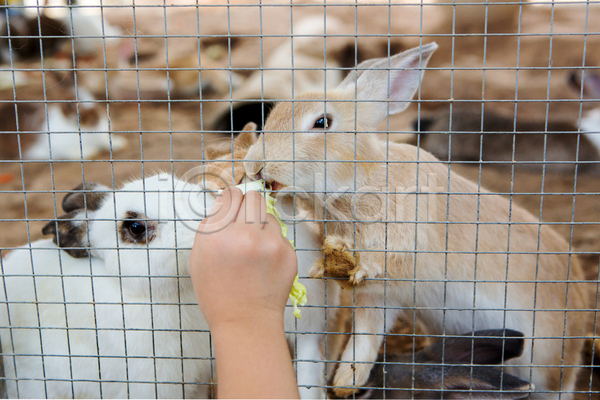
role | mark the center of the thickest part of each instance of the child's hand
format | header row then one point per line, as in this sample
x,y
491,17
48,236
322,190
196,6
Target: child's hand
x,y
242,268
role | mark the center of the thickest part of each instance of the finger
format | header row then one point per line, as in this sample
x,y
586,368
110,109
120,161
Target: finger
x,y
223,212
200,230
292,261
226,201
253,210
274,226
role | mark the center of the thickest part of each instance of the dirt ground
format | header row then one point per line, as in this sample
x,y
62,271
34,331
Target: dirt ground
x,y
171,138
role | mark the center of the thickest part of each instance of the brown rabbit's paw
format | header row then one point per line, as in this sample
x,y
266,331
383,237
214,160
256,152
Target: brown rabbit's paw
x,y
344,392
339,265
338,260
357,275
350,377
318,269
334,243
363,270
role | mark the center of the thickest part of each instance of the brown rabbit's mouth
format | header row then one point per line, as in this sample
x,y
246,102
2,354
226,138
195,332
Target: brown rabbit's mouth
x,y
270,184
274,185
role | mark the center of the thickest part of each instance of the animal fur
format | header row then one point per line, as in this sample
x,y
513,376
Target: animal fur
x,y
429,240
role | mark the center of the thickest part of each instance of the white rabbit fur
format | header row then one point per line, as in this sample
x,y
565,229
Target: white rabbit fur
x,y
128,268
591,123
432,268
74,128
65,142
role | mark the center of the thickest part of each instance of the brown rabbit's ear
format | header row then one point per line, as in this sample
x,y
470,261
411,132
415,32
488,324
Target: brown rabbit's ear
x,y
250,126
88,194
388,85
247,137
350,79
214,151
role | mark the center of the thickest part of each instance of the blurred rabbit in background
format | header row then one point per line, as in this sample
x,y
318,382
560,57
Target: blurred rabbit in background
x,y
468,133
72,128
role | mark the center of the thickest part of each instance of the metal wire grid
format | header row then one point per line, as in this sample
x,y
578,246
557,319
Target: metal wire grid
x,y
389,129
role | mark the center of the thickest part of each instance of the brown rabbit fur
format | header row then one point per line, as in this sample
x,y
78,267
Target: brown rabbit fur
x,y
225,166
473,261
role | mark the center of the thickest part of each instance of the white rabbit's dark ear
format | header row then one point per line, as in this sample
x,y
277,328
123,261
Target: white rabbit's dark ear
x,y
388,85
88,194
69,231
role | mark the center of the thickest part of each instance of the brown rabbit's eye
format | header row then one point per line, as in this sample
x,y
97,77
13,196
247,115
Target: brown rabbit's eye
x,y
322,123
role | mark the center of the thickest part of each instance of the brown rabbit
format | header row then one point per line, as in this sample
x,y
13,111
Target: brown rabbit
x,y
442,371
560,150
407,233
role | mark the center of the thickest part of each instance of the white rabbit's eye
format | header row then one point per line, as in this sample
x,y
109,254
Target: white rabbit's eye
x,y
323,122
136,230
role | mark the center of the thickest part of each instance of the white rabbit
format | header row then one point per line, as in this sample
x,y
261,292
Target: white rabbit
x,y
473,261
145,254
130,320
67,132
65,139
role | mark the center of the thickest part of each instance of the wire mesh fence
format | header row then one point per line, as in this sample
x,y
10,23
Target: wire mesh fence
x,y
442,198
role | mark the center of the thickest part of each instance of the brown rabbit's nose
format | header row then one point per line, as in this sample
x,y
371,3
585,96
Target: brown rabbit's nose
x,y
257,176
